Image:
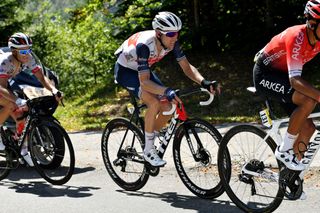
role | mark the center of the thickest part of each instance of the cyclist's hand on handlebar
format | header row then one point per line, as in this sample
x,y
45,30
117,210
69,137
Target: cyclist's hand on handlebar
x,y
172,96
20,102
58,94
212,86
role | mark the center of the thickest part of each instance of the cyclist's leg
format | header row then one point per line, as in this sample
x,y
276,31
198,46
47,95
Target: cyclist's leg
x,y
161,119
301,144
299,124
275,84
153,107
7,108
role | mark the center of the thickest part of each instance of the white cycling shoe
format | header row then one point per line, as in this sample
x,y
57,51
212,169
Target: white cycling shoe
x,y
27,158
2,146
289,159
153,158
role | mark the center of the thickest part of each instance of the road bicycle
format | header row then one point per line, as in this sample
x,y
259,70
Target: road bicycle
x,y
50,147
195,147
254,179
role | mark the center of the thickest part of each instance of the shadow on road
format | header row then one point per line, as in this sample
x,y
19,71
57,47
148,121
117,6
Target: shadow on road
x,y
188,202
41,187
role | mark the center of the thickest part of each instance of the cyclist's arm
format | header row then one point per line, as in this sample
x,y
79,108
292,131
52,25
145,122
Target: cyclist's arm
x,y
190,70
46,83
295,66
146,84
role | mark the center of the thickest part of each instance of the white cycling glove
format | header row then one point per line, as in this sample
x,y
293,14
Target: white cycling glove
x,y
21,102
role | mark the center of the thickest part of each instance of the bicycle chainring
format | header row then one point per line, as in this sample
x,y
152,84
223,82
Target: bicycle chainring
x,y
290,183
151,170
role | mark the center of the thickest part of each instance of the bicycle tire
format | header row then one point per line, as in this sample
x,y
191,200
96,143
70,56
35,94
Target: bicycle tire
x,y
255,150
206,167
50,134
120,162
58,150
5,164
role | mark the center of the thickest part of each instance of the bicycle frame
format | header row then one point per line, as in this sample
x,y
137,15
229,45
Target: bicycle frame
x,y
314,144
179,115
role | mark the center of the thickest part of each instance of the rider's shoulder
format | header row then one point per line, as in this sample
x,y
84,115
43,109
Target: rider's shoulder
x,y
6,57
296,30
147,37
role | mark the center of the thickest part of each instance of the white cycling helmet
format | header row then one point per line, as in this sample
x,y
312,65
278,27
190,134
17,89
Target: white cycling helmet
x,y
166,22
19,40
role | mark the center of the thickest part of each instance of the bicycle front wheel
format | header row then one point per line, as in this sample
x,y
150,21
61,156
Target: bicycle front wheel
x,y
195,150
122,153
251,178
5,159
52,152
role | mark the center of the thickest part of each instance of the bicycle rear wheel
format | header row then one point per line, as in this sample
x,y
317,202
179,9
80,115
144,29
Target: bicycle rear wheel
x,y
52,152
251,179
122,153
195,150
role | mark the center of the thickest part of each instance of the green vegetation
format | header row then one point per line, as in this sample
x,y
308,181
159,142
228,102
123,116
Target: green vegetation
x,y
77,39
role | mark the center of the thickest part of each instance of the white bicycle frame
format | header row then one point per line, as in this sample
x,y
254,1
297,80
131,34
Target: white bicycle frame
x,y
314,144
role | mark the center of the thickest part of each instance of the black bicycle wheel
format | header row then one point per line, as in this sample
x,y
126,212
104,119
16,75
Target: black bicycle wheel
x,y
49,134
198,171
52,152
251,180
5,163
122,153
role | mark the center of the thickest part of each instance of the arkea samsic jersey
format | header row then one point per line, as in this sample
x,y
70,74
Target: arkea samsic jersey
x,y
290,50
8,70
139,51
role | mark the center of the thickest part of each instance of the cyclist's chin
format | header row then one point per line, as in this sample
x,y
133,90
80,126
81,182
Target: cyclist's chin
x,y
24,59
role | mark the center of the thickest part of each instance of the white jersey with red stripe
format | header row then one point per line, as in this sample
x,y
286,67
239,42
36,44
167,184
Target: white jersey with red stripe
x,y
290,50
8,69
128,50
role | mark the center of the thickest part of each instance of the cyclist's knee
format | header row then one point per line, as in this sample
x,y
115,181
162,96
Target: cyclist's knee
x,y
304,101
151,101
165,106
9,106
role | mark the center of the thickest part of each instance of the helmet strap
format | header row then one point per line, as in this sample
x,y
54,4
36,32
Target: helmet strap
x,y
160,40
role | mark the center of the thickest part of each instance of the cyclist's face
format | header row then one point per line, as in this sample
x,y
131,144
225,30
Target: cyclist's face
x,y
23,56
169,41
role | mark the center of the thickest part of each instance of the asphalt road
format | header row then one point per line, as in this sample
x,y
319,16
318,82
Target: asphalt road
x,y
92,190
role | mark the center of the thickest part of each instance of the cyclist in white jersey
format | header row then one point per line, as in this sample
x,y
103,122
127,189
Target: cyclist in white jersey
x,y
12,63
132,70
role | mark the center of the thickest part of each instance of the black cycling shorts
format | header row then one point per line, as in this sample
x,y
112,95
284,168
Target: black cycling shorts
x,y
273,84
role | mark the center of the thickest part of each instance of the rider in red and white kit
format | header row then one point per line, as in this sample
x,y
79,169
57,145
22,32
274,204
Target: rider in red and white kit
x,y
277,74
12,63
132,70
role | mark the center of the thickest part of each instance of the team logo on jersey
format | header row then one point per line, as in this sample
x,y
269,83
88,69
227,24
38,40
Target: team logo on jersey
x,y
272,86
273,57
297,46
